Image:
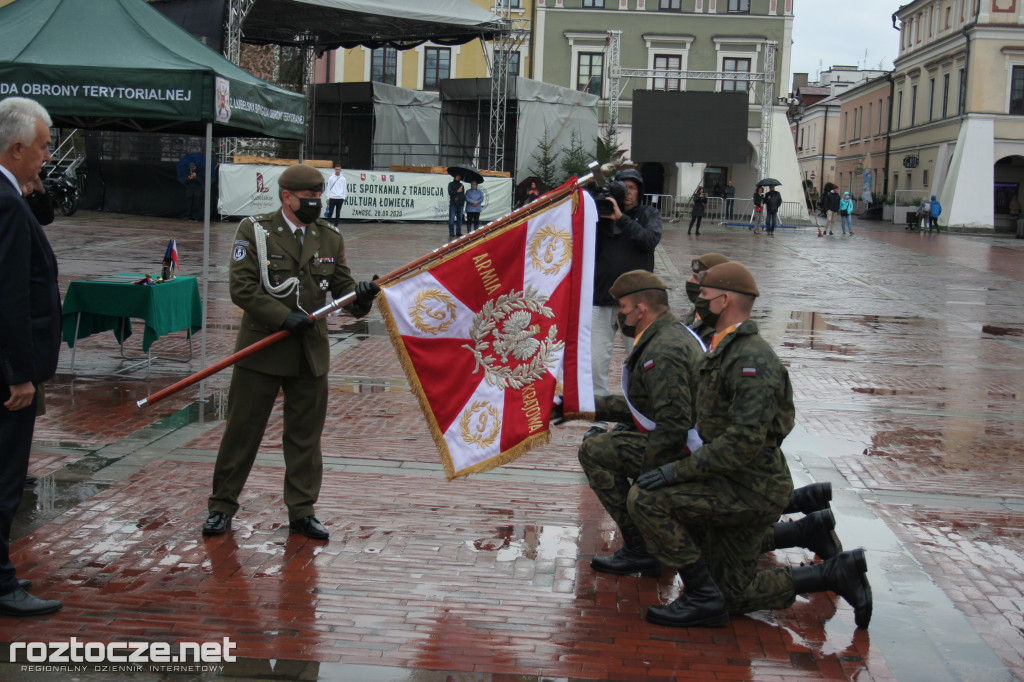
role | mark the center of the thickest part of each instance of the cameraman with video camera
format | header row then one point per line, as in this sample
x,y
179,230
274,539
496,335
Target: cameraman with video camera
x,y
627,234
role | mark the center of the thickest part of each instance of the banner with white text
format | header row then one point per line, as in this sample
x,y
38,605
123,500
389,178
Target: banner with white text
x,y
249,189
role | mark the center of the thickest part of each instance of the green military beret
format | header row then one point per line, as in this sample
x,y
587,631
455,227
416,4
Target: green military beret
x,y
301,176
731,276
634,281
708,260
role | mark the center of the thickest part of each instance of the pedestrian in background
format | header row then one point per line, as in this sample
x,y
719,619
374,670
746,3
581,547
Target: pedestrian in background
x,y
337,193
772,203
730,199
30,327
758,208
456,202
831,207
846,212
700,200
474,206
934,211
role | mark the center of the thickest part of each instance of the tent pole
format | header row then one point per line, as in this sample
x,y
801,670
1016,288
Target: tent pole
x,y
206,257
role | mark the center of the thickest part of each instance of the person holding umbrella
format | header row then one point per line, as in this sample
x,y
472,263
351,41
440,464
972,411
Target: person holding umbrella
x,y
456,200
772,202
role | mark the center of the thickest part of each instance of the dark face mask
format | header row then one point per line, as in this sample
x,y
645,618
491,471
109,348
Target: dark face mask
x,y
692,291
625,328
308,211
703,306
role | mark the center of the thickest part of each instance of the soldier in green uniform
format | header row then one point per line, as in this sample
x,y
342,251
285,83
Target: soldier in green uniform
x,y
283,264
707,514
692,319
814,532
658,381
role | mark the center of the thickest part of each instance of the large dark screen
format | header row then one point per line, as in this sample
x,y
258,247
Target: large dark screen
x,y
698,127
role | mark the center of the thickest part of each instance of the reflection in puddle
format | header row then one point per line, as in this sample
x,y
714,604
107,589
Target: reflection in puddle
x,y
531,542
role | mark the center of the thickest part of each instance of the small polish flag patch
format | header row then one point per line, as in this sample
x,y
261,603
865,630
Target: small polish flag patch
x,y
649,365
750,371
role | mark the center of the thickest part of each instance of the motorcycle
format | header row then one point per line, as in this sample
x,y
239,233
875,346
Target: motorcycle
x,y
63,191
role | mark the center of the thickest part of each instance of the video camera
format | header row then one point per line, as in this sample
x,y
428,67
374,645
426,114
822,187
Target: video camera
x,y
602,188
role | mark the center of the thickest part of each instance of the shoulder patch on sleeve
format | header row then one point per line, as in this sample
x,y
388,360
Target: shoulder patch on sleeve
x,y
749,371
648,365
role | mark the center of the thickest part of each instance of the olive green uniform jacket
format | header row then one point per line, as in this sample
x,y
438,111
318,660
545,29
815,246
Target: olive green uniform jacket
x,y
319,263
744,411
663,370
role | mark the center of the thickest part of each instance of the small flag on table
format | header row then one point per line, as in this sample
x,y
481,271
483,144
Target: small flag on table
x,y
172,254
489,335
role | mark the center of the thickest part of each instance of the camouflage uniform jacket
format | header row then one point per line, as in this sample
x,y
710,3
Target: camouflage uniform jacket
x,y
704,331
663,372
319,264
744,411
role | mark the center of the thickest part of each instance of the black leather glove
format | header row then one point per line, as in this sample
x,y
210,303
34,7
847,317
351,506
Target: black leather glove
x,y
298,322
558,413
656,478
366,291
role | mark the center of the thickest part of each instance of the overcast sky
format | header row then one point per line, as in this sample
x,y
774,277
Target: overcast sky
x,y
828,32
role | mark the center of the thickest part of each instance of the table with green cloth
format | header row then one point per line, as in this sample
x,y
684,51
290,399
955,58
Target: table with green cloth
x,y
98,305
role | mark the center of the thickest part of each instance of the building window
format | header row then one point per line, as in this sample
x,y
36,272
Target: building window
x,y
593,3
961,93
846,118
871,106
925,179
948,10
738,65
931,98
739,6
913,104
513,65
1017,90
384,65
669,62
589,72
437,65
899,109
670,5
945,95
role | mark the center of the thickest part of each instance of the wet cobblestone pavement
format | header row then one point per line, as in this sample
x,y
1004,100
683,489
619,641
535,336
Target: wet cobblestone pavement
x,y
906,353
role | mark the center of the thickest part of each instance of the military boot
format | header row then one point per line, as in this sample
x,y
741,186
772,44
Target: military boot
x,y
809,498
816,532
633,558
701,605
844,574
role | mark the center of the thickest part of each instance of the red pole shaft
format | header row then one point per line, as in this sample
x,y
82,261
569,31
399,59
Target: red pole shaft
x,y
543,201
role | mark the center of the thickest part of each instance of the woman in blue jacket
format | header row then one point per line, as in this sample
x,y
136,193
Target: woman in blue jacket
x,y
845,211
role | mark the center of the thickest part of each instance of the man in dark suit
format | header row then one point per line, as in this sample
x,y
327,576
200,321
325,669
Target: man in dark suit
x,y
29,326
282,266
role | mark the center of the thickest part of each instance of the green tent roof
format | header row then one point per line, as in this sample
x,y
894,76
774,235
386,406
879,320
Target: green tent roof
x,y
122,65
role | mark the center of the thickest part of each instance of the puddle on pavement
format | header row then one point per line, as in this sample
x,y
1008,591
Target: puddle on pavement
x,y
56,492
530,542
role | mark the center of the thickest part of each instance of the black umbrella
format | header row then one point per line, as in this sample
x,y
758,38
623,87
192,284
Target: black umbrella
x,y
468,173
768,182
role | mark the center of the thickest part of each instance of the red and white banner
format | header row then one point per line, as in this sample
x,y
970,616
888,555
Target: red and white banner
x,y
491,332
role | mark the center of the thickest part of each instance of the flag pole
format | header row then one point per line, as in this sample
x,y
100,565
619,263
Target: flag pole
x,y
541,202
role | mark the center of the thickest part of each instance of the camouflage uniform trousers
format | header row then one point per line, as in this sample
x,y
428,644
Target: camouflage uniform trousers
x,y
723,523
611,462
